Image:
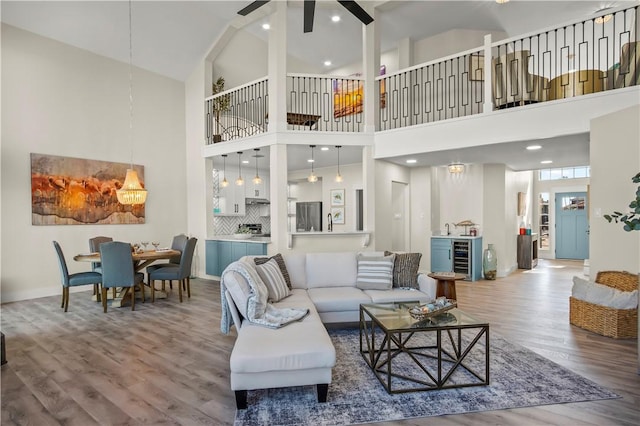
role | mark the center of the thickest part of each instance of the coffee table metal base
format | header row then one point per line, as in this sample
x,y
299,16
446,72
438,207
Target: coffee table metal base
x,y
380,356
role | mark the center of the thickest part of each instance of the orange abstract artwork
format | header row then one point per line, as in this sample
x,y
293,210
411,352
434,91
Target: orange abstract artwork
x,y
348,95
75,191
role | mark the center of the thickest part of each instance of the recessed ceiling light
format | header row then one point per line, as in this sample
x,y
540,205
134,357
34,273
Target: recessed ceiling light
x,y
266,26
533,147
546,162
412,161
324,148
310,160
335,18
502,1
327,63
245,161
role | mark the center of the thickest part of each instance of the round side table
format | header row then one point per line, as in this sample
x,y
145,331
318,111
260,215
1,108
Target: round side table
x,y
446,284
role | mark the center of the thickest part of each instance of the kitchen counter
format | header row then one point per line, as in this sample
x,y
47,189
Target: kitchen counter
x,y
261,240
366,236
458,237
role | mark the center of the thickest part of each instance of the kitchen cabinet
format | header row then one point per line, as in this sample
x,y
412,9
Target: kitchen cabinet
x,y
220,254
462,255
231,200
258,191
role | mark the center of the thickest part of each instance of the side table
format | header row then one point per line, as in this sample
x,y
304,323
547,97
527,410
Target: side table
x,y
446,284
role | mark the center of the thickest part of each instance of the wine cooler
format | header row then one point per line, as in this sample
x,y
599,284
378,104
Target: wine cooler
x,y
462,258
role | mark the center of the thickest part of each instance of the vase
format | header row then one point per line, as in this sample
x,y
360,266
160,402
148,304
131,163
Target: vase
x,y
489,263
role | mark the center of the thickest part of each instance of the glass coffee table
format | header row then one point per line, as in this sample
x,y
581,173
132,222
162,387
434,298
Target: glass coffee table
x,y
449,350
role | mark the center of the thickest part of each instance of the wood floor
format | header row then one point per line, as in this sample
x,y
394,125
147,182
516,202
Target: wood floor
x,y
167,363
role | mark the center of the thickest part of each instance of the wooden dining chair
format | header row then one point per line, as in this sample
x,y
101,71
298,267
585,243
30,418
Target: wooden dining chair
x,y
73,280
181,274
118,271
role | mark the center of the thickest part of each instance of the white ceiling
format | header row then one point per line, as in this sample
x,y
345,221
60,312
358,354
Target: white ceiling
x,y
172,37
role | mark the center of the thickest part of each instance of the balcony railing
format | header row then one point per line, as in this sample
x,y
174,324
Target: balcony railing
x,y
585,57
438,90
237,113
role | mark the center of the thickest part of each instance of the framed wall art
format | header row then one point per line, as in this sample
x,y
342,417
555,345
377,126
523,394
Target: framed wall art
x,y
76,191
337,215
337,197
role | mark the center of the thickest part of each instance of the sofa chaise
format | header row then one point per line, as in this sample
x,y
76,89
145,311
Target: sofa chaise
x,y
301,353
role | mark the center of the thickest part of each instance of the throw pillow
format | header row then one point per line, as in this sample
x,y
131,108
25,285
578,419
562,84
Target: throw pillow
x,y
280,260
273,280
405,269
375,273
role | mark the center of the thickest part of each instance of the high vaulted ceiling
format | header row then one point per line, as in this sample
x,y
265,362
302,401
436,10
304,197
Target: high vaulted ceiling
x,y
172,37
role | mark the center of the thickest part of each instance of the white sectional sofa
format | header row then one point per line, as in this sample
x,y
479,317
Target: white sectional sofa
x,y
302,353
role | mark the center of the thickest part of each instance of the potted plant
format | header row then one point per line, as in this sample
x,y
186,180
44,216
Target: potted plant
x,y
631,220
220,104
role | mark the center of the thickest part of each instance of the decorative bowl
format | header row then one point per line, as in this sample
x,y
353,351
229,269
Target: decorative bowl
x,y
242,236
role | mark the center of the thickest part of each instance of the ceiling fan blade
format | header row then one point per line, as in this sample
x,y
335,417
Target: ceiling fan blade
x,y
252,6
357,11
309,11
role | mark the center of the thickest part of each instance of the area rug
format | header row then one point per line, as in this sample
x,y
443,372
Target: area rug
x,y
518,378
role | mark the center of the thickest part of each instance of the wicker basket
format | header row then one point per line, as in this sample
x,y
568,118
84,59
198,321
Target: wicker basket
x,y
610,322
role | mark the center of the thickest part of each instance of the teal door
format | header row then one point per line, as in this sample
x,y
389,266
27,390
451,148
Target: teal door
x,y
572,238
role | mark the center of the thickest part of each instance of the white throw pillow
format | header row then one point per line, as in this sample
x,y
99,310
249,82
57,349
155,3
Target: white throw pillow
x,y
375,273
580,287
274,280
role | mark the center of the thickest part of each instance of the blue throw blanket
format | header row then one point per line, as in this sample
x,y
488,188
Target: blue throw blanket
x,y
258,310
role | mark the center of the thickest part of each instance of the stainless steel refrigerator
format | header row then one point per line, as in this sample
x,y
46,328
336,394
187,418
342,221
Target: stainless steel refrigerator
x,y
309,216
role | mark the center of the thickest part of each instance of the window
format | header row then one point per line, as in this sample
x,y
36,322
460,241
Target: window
x,y
564,173
543,220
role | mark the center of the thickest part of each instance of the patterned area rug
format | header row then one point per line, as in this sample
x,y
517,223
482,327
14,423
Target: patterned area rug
x,y
518,378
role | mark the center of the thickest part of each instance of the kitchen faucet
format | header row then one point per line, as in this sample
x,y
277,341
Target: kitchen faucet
x,y
447,226
329,223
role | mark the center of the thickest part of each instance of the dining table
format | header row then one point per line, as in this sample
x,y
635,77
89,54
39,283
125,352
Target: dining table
x,y
141,259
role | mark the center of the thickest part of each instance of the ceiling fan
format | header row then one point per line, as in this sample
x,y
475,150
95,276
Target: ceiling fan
x,y
309,10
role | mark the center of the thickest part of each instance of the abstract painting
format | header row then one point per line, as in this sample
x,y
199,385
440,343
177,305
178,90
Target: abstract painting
x,y
348,94
75,191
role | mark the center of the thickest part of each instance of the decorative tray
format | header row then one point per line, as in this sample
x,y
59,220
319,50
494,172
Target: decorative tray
x,y
433,308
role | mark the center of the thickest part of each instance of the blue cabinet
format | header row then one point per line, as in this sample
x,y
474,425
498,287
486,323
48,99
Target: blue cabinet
x,y
441,255
220,254
461,255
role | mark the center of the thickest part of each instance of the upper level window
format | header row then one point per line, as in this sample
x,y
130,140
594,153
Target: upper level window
x,y
564,173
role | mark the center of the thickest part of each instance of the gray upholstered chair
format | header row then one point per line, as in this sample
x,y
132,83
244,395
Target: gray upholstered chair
x,y
73,280
627,72
513,84
180,274
178,243
118,271
94,246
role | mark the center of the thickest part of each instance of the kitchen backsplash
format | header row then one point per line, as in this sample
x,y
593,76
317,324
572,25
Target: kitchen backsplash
x,y
227,225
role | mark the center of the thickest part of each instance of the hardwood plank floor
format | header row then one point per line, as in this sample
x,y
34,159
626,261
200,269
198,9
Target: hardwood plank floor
x,y
168,363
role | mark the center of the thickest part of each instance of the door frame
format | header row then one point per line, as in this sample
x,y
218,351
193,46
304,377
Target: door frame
x,y
551,254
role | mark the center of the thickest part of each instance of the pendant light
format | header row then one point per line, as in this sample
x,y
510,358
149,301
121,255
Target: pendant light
x,y
338,175
132,191
257,180
224,182
312,177
239,181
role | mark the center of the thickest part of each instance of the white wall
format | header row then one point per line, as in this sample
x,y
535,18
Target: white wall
x,y
420,213
461,197
60,100
615,159
451,42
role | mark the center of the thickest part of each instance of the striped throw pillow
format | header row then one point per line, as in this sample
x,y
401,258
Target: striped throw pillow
x,y
375,273
405,269
283,266
274,281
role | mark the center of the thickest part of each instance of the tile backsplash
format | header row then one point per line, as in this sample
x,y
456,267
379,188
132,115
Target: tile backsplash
x,y
227,225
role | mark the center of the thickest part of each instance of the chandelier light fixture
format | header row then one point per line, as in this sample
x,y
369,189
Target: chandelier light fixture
x,y
604,18
239,181
338,175
257,180
132,191
456,168
224,182
312,177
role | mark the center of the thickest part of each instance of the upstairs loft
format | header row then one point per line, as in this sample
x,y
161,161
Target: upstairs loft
x,y
556,79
